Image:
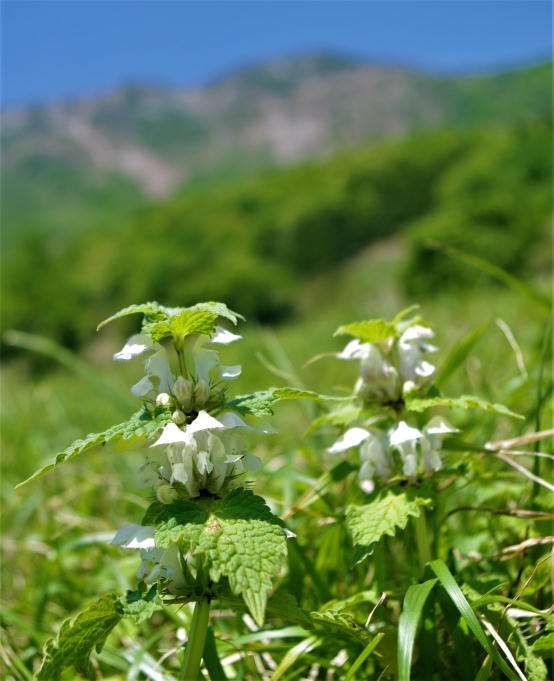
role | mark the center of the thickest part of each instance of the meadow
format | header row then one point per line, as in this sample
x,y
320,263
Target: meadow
x,y
455,583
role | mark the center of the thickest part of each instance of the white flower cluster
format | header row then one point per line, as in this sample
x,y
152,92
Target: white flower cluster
x,y
377,448
195,451
202,452
394,367
156,563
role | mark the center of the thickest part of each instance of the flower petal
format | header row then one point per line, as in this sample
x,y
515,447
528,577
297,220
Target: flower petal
x,y
171,434
439,426
134,537
135,346
416,332
351,438
224,337
404,433
204,422
229,373
354,350
143,387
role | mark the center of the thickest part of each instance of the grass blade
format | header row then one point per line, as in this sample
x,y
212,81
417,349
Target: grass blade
x,y
362,657
458,354
414,601
517,285
211,658
464,608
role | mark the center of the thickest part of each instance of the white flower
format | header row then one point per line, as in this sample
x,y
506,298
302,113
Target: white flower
x,y
404,438
229,373
354,350
379,378
412,346
374,453
431,442
350,438
163,399
162,564
134,537
142,387
224,337
134,347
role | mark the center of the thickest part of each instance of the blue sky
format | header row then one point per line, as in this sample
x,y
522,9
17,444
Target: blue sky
x,y
58,49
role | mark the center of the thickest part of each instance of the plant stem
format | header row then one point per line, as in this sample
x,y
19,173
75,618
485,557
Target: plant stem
x,y
196,640
422,541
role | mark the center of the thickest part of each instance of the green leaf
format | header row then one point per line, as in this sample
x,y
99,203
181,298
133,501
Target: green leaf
x,y
497,273
369,331
414,601
261,403
211,658
339,625
238,536
381,517
181,521
419,404
142,425
152,308
458,354
342,418
79,637
182,324
544,645
459,600
362,657
219,309
141,604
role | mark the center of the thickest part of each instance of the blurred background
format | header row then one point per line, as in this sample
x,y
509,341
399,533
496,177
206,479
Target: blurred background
x,y
307,163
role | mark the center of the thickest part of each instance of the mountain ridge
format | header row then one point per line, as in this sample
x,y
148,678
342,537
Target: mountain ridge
x,y
141,142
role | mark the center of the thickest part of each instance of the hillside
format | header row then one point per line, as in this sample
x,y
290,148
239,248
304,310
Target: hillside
x,y
259,241
70,165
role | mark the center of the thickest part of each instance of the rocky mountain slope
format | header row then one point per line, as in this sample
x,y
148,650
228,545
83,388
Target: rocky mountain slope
x,y
74,163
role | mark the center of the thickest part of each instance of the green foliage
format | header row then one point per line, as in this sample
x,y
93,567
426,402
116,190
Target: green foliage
x,y
371,331
412,609
142,426
79,637
261,403
483,192
419,404
382,517
238,538
141,604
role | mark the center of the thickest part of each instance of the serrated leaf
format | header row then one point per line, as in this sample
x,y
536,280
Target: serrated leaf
x,y
182,324
261,403
419,404
544,645
79,637
151,308
141,604
181,521
188,322
238,536
141,425
219,309
342,417
341,625
369,331
369,523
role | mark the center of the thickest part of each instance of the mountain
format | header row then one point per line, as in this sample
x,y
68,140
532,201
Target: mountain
x,y
73,164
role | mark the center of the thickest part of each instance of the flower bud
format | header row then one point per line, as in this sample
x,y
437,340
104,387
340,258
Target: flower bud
x,y
178,417
201,393
182,389
166,494
163,400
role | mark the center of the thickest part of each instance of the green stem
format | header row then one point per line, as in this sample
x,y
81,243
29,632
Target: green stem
x,y
422,541
196,640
